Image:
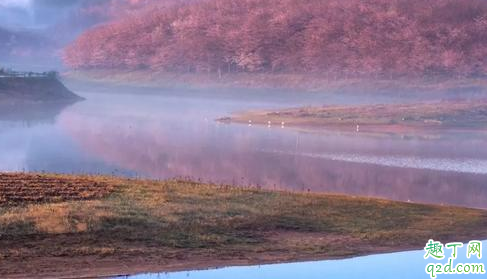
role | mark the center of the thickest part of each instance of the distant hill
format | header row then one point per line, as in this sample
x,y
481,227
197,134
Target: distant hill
x,y
367,38
33,37
24,46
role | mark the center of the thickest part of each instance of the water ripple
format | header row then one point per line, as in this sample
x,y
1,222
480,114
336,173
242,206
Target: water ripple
x,y
461,165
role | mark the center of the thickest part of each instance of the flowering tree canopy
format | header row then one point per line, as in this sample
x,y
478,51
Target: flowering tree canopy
x,y
353,37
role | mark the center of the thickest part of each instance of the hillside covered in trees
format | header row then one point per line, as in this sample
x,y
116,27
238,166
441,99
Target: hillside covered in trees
x,y
363,38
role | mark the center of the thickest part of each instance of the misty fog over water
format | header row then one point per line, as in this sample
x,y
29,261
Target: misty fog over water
x,y
174,134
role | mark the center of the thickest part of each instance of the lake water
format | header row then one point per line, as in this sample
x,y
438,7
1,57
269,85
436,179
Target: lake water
x,y
170,134
407,265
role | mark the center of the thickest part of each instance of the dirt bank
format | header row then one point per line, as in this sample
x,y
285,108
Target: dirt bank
x,y
15,90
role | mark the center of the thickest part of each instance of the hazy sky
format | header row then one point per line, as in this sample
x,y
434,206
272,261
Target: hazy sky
x,y
36,30
32,4
15,3
35,13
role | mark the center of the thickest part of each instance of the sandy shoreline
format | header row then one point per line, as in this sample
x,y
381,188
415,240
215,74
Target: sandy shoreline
x,y
459,116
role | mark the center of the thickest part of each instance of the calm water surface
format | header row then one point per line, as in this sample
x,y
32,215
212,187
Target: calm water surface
x,y
407,265
173,134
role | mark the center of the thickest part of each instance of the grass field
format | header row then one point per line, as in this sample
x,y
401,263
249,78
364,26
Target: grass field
x,y
53,225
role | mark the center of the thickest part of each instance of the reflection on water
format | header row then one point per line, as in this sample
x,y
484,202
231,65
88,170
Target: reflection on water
x,y
31,114
31,141
171,135
407,265
463,165
16,125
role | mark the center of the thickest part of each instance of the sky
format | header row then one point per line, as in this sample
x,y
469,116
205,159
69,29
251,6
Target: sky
x,y
15,3
36,13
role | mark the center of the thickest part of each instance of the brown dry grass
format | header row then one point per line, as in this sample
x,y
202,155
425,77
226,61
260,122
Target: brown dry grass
x,y
150,225
18,189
